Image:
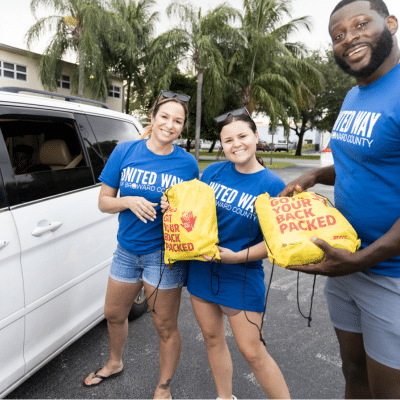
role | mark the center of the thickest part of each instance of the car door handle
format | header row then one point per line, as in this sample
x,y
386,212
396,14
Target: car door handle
x,y
39,230
3,243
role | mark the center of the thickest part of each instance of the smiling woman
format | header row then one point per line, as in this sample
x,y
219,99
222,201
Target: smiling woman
x,y
141,171
235,287
167,126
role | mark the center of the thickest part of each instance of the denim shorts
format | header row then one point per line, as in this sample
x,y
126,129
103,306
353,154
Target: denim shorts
x,y
369,304
131,268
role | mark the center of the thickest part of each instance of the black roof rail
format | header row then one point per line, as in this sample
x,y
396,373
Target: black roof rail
x,y
74,99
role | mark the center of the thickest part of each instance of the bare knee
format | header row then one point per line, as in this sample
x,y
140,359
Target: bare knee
x,y
213,340
115,316
254,354
166,329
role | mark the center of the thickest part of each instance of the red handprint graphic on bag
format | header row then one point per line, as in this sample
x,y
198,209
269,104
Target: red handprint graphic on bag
x,y
188,220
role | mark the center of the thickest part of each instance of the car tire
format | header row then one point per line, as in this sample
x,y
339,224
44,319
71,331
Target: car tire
x,y
139,306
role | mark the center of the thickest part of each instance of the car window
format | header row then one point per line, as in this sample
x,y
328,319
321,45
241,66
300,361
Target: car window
x,y
109,132
101,135
45,153
3,202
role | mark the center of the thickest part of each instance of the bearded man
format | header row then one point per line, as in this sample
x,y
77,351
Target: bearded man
x,y
363,289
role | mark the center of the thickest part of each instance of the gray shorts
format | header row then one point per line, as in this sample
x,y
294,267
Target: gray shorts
x,y
369,304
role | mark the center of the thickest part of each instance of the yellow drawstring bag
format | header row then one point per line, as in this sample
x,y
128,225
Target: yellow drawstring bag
x,y
288,223
190,222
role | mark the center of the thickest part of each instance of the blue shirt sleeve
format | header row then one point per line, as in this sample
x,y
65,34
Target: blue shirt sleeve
x,y
111,172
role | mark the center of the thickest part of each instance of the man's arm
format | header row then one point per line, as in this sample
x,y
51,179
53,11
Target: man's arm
x,y
324,176
339,262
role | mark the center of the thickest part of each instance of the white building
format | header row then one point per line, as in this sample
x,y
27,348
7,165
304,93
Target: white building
x,y
264,132
20,68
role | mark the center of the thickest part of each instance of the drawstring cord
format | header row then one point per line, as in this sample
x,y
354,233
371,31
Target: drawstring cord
x,y
155,291
311,303
314,282
244,285
215,274
298,278
162,264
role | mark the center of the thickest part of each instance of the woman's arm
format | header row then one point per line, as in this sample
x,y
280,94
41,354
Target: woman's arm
x,y
255,253
110,203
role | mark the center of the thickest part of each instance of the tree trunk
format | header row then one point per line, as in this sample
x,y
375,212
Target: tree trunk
x,y
81,70
212,146
128,96
300,134
198,113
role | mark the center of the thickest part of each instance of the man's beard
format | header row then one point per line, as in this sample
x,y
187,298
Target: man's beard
x,y
379,53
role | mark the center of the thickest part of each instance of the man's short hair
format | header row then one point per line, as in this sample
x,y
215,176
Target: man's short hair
x,y
378,5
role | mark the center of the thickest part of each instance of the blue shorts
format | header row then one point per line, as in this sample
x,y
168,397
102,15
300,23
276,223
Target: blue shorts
x,y
369,304
131,268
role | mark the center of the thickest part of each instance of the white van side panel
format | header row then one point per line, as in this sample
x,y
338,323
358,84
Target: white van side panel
x,y
64,316
12,365
65,270
12,311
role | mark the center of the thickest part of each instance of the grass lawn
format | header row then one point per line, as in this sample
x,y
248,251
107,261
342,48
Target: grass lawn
x,y
289,155
203,164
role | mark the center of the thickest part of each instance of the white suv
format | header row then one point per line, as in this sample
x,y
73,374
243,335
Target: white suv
x,y
55,245
281,145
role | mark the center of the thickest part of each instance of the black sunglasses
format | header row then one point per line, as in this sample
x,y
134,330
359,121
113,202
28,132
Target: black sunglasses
x,y
234,113
169,95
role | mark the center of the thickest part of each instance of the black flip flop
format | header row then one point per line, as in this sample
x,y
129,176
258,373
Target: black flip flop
x,y
103,378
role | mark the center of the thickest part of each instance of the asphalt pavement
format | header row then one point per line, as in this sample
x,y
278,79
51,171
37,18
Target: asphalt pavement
x,y
308,356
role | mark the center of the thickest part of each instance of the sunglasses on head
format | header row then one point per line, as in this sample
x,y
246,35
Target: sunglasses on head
x,y
169,95
234,113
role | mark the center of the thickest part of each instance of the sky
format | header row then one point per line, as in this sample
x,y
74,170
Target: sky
x,y
16,18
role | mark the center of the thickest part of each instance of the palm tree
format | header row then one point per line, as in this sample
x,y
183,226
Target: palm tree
x,y
80,28
196,40
131,57
265,68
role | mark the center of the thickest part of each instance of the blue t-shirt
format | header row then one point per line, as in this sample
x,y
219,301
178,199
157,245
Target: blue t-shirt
x,y
235,194
136,171
365,144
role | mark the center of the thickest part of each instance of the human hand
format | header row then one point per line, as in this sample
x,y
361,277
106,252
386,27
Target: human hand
x,y
227,256
164,204
300,184
336,262
141,207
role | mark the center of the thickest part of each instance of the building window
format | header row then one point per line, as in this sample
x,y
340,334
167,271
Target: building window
x,y
64,82
13,71
114,91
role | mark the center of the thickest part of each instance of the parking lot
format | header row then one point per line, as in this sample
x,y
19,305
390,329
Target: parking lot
x,y
308,356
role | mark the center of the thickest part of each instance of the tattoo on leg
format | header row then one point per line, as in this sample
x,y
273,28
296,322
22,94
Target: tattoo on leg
x,y
165,385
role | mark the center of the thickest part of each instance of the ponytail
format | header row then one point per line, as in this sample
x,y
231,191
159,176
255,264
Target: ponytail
x,y
260,160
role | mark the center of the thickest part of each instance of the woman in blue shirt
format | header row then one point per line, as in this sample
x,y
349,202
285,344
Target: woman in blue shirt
x,y
141,171
236,285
